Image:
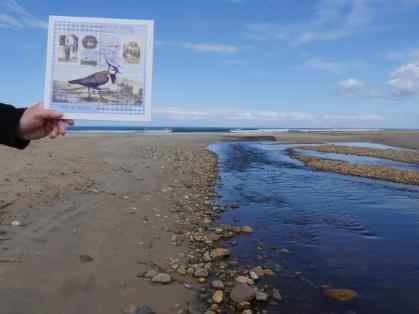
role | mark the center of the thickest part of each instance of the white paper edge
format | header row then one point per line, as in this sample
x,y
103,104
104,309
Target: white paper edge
x,y
149,69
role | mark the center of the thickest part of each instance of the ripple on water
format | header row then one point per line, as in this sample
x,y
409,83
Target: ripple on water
x,y
341,231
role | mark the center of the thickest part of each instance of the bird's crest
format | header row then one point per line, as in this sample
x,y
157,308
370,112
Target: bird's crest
x,y
112,67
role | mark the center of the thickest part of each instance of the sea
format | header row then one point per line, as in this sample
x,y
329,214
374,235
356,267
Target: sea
x,y
205,130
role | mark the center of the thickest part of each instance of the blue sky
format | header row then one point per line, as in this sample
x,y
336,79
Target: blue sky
x,y
263,63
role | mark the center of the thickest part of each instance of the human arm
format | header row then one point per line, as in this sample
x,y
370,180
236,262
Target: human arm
x,y
18,125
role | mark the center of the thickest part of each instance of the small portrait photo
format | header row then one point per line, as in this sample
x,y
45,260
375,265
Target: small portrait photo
x,y
68,47
89,57
131,52
111,49
89,42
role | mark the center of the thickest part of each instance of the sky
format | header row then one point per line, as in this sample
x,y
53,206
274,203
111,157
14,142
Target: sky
x,y
247,63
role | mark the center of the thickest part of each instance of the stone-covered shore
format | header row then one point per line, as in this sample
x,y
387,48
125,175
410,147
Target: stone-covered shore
x,y
359,170
391,154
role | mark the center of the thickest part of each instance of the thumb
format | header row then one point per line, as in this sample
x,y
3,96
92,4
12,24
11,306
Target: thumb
x,y
39,105
48,114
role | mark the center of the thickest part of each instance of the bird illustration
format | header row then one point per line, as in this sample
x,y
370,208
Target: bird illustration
x,y
99,80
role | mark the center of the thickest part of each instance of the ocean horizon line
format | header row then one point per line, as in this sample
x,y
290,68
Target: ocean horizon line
x,y
233,130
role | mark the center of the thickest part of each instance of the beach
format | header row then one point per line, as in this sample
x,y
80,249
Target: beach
x,y
94,213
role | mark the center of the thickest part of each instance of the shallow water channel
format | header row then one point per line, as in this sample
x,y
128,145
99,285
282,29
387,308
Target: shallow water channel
x,y
342,231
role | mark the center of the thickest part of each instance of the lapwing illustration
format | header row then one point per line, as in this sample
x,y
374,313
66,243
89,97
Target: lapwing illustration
x,y
99,80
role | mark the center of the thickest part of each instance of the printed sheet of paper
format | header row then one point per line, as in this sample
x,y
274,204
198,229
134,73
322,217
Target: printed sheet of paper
x,y
99,69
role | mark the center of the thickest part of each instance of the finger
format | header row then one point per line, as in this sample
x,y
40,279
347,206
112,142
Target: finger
x,y
48,127
61,127
69,122
48,114
39,105
54,131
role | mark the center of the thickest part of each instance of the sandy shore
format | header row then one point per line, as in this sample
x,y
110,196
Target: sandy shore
x,y
99,211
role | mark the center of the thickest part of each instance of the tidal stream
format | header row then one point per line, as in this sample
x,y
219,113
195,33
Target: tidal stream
x,y
342,231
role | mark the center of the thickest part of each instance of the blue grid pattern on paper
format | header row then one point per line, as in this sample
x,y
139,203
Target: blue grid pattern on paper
x,y
81,29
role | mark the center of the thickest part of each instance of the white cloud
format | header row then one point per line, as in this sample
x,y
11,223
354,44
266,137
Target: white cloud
x,y
410,54
232,115
353,88
330,66
18,16
253,117
369,117
211,47
351,83
8,21
405,79
332,20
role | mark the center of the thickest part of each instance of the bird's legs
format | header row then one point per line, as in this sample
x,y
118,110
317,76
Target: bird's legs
x,y
100,94
88,88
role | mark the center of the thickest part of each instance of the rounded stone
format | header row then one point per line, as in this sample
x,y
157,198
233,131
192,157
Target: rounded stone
x,y
162,278
217,284
261,296
219,253
242,279
341,295
242,293
201,272
218,296
247,230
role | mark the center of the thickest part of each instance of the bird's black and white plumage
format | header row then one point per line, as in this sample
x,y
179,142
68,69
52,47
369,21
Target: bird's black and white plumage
x,y
99,80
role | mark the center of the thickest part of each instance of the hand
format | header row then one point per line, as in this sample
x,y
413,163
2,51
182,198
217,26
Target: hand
x,y
37,122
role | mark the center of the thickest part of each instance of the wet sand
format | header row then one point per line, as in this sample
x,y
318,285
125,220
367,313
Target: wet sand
x,y
126,201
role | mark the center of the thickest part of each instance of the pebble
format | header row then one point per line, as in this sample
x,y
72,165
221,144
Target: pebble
x,y
201,272
242,293
248,311
219,253
268,272
242,279
244,305
150,274
259,271
206,257
341,294
253,275
182,270
162,278
15,223
247,230
218,296
234,205
261,296
213,236
276,295
217,284
84,258
237,230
